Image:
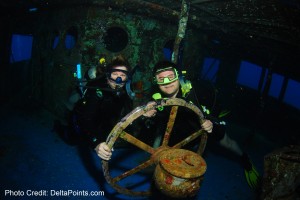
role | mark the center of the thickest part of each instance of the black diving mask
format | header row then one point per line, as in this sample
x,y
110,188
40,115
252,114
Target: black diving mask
x,y
119,78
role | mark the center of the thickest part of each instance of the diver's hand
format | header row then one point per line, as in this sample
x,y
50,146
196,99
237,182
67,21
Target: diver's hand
x,y
207,125
103,151
150,113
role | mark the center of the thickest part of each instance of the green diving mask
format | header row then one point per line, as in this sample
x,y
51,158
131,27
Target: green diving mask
x,y
168,79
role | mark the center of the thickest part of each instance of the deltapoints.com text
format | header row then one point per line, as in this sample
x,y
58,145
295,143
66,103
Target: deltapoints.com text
x,y
54,193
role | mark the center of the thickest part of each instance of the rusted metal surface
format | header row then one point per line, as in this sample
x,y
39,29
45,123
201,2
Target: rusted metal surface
x,y
183,163
118,132
282,174
179,173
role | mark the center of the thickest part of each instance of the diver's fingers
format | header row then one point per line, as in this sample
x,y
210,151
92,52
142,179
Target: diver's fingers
x,y
207,125
103,151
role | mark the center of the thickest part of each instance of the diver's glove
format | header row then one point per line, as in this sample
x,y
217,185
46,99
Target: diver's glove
x,y
251,174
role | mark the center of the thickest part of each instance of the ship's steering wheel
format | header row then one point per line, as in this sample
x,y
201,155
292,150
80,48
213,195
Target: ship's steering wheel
x,y
119,133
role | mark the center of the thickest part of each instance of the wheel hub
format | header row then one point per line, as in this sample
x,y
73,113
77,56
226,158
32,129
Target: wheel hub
x,y
179,172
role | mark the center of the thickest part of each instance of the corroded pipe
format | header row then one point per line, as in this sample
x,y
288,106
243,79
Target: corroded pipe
x,y
181,30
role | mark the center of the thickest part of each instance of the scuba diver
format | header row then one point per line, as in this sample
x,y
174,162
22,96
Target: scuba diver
x,y
104,102
169,84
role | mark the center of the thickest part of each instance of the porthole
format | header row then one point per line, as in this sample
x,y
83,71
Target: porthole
x,y
71,37
116,39
168,49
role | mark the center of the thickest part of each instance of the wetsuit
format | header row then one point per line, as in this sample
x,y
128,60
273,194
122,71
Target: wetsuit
x,y
186,122
100,109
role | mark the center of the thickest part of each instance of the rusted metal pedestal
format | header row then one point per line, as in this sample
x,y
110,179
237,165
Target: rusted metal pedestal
x,y
281,179
179,173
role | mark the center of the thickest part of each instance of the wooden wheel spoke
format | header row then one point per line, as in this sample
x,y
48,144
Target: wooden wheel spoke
x,y
188,139
132,171
170,125
133,140
202,144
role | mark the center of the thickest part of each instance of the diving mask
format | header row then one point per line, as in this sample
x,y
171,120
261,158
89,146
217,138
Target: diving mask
x,y
118,76
168,79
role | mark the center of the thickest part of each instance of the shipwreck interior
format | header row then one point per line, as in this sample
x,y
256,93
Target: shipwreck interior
x,y
241,55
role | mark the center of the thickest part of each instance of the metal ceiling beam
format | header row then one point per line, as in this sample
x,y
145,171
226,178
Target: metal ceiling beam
x,y
200,1
157,10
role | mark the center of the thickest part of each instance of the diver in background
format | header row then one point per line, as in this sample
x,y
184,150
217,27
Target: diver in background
x,y
169,85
